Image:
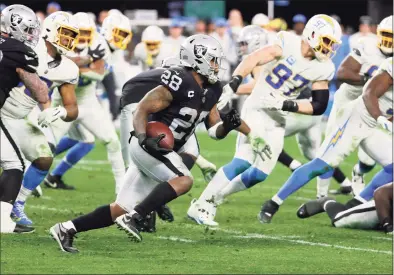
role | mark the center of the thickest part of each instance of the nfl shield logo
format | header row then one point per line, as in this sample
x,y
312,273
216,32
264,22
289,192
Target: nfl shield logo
x,y
200,50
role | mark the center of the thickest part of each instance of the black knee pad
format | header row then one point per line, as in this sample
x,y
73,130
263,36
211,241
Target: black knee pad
x,y
10,182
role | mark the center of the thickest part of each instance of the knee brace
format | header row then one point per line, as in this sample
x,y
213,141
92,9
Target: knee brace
x,y
252,176
235,167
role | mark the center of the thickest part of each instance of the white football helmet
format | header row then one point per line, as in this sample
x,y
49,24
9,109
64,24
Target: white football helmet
x,y
250,39
87,30
260,19
171,61
153,36
20,23
204,54
323,33
61,30
385,35
116,29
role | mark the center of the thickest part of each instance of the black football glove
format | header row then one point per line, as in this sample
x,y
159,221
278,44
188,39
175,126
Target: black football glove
x,y
151,144
231,120
97,54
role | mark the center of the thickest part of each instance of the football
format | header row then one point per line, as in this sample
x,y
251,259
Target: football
x,y
154,129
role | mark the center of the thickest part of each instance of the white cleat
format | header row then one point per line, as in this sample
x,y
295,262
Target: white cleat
x,y
358,183
202,213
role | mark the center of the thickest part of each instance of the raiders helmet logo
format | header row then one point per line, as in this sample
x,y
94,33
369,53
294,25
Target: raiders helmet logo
x,y
16,19
200,50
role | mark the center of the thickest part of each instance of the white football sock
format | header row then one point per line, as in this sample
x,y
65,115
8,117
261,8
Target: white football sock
x,y
6,223
234,186
295,164
69,225
115,157
213,188
23,194
276,199
356,170
322,187
346,183
202,163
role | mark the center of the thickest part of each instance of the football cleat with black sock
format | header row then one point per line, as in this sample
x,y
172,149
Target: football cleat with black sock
x,y
150,222
64,237
132,225
165,214
56,182
312,208
268,210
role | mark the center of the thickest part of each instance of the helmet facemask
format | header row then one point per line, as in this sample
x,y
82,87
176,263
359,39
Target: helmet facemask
x,y
153,47
120,38
66,38
85,38
385,43
326,47
210,67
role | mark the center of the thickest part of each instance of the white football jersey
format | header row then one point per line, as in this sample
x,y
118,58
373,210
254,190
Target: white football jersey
x,y
86,86
369,56
148,62
288,75
53,71
385,101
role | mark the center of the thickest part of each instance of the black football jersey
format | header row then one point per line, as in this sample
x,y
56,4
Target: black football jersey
x,y
191,104
14,54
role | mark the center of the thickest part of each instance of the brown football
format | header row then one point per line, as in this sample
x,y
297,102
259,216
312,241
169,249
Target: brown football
x,y
154,129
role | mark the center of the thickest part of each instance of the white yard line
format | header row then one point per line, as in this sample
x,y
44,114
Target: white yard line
x,y
282,238
176,239
383,238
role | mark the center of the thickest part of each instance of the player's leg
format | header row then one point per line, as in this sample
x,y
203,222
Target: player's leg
x,y
126,126
173,177
383,198
363,216
12,163
383,155
260,169
85,143
135,188
365,164
37,151
288,161
107,134
334,149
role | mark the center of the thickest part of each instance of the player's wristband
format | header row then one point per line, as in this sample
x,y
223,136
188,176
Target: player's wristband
x,y
290,106
235,82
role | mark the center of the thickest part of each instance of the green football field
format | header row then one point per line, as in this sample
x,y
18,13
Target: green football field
x,y
240,245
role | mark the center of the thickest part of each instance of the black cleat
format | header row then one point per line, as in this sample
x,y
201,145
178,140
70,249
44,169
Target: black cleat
x,y
312,208
268,210
64,237
165,214
388,228
343,190
23,229
150,223
132,225
352,203
56,182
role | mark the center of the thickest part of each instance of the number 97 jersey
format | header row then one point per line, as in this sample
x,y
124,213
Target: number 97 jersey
x,y
288,75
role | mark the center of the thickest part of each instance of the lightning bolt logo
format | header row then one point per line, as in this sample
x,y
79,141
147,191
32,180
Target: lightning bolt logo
x,y
337,136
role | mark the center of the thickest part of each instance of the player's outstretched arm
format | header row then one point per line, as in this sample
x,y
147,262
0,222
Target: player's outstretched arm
x,y
95,71
69,99
349,72
257,58
374,89
156,100
219,126
32,81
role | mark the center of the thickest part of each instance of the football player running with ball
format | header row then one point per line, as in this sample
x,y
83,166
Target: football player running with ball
x,y
289,65
180,100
